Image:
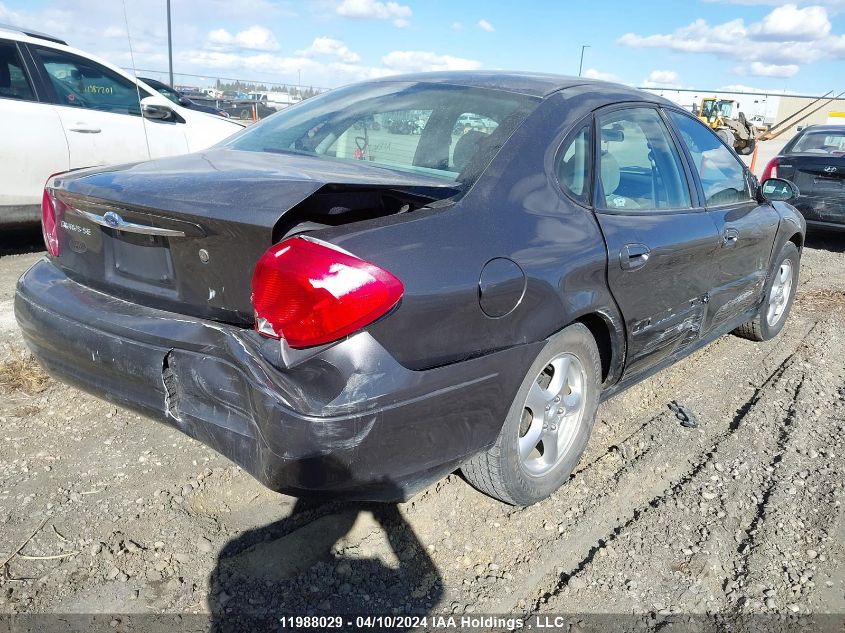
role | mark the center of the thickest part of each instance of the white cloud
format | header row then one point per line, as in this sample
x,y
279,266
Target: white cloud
x,y
318,72
330,47
788,23
255,38
786,37
399,14
255,56
115,31
592,73
484,25
662,79
759,69
419,61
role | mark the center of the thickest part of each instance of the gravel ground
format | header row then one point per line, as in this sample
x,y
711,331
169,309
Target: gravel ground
x,y
741,515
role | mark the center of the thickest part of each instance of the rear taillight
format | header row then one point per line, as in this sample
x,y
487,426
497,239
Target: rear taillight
x,y
52,211
310,293
771,170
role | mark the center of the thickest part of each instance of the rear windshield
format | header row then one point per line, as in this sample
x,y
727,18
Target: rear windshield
x,y
820,143
449,132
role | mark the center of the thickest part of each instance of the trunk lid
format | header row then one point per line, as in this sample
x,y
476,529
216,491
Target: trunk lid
x,y
814,173
184,233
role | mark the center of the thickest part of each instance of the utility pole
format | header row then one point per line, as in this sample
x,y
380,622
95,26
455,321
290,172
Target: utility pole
x,y
299,83
170,45
580,66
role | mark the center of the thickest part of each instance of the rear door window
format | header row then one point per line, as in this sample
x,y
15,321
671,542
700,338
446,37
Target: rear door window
x,y
721,172
639,166
81,83
14,84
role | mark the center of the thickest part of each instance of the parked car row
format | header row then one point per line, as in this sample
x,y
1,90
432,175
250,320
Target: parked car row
x,y
181,98
63,109
233,104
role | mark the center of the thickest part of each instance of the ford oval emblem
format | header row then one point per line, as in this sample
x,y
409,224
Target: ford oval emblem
x,y
112,219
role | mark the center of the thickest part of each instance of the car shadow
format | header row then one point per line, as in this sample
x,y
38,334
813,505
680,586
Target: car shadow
x,y
833,241
18,241
325,559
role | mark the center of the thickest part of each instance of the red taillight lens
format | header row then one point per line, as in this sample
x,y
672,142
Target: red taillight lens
x,y
52,211
771,170
309,293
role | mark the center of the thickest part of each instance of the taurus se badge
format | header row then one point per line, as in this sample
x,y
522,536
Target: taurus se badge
x,y
830,169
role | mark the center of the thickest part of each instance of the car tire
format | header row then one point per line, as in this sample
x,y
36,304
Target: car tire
x,y
779,295
727,136
749,148
507,470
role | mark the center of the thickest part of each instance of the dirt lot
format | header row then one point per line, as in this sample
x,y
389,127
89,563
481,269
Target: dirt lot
x,y
742,514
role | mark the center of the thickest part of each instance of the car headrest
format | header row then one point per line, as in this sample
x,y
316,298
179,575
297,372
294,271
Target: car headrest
x,y
610,174
466,147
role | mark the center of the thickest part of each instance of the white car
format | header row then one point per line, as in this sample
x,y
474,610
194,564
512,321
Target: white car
x,y
63,109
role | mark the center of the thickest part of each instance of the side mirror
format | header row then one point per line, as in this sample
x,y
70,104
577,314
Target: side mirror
x,y
779,190
156,109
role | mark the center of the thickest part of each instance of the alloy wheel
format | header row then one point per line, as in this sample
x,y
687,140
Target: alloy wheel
x,y
552,414
780,292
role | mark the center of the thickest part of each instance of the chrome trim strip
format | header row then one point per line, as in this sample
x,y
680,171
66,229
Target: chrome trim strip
x,y
123,225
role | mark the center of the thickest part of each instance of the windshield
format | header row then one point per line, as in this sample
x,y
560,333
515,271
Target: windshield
x,y
169,93
717,109
163,89
821,143
445,131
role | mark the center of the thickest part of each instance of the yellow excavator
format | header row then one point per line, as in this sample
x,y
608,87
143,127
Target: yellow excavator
x,y
736,131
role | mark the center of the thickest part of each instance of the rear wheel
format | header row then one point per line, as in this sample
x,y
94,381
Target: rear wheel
x,y
548,425
780,292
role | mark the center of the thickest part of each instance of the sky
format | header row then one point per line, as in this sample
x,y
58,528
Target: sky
x,y
755,45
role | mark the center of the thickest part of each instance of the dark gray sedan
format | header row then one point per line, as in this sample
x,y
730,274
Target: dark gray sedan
x,y
343,308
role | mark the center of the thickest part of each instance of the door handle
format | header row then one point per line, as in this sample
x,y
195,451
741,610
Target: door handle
x,y
729,238
83,128
633,256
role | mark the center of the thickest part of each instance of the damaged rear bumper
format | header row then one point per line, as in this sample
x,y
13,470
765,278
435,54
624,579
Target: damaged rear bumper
x,y
348,420
822,211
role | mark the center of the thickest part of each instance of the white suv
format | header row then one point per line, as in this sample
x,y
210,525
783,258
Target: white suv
x,y
63,109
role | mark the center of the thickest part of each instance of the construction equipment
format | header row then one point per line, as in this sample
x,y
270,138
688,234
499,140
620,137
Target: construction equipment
x,y
736,131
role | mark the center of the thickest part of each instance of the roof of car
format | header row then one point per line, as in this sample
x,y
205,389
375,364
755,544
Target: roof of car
x,y
533,84
829,127
31,33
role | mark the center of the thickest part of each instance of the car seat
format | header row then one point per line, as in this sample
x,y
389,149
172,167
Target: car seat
x,y
466,147
611,176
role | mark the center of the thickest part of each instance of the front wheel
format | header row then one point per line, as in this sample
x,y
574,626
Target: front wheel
x,y
548,425
779,292
749,148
